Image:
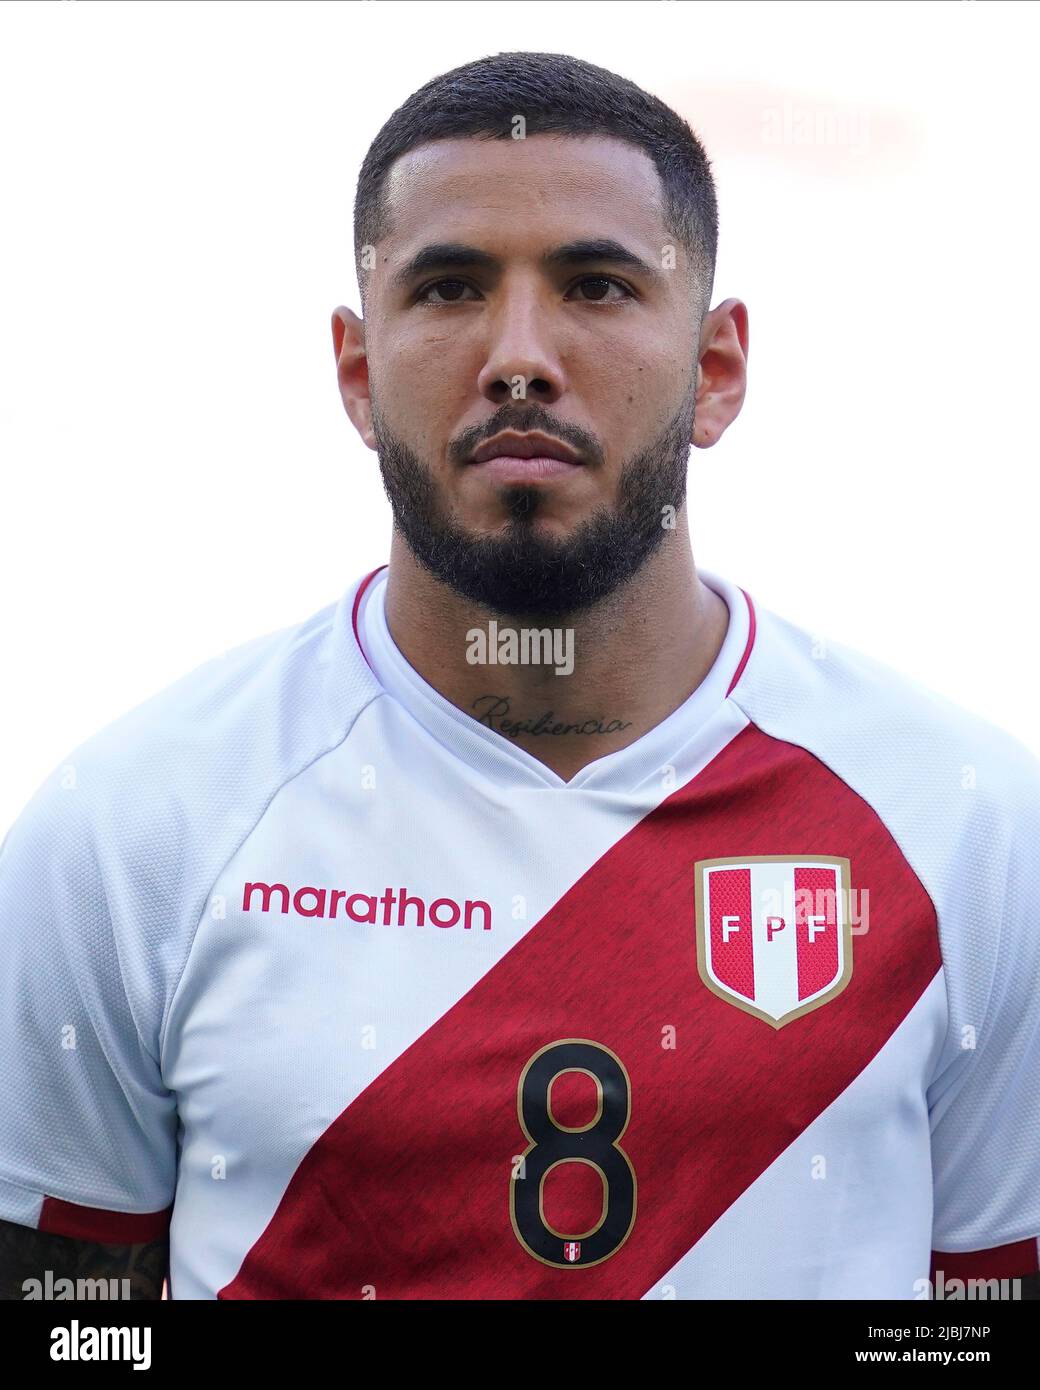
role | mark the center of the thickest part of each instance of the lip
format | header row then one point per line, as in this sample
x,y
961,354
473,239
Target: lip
x,y
511,468
533,447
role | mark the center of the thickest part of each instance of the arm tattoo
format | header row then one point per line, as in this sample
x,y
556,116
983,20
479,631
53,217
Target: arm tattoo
x,y
32,1262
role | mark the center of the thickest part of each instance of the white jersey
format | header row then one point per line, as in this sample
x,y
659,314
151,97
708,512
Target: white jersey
x,y
358,999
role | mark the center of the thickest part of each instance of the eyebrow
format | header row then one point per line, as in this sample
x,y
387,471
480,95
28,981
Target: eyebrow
x,y
455,255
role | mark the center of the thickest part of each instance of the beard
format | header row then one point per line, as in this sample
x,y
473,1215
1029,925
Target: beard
x,y
519,572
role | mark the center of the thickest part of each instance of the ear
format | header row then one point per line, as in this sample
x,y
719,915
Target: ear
x,y
348,341
721,371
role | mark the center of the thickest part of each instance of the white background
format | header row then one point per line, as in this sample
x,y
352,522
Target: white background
x,y
177,183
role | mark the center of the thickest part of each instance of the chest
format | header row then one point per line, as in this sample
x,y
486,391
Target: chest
x,y
489,1042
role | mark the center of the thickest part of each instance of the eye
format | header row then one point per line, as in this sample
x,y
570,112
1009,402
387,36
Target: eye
x,y
606,281
436,285
450,291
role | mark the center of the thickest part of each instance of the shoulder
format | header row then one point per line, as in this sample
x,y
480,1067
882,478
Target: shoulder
x,y
240,720
881,730
247,717
958,795
121,843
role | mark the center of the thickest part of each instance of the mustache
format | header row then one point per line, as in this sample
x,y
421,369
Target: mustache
x,y
529,416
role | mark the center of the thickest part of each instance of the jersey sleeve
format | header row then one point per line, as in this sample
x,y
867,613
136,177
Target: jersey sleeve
x,y
87,1128
986,1127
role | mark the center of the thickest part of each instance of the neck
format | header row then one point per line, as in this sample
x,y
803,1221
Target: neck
x,y
624,664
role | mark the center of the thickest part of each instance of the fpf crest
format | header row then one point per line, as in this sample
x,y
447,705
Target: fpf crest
x,y
774,936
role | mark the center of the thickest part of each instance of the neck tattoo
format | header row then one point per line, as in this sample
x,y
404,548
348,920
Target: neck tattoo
x,y
493,711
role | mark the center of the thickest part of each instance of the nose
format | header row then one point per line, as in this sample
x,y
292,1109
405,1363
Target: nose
x,y
521,361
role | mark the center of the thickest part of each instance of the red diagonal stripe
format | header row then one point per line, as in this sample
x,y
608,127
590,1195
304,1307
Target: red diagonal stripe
x,y
407,1192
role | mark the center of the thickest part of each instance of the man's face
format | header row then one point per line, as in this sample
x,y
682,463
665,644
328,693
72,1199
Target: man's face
x,y
597,353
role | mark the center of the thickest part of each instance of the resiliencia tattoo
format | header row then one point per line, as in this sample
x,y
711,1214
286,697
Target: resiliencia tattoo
x,y
493,710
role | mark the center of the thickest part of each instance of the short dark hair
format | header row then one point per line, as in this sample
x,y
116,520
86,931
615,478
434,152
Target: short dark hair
x,y
556,94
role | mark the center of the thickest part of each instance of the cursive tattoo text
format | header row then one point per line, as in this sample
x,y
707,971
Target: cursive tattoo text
x,y
493,710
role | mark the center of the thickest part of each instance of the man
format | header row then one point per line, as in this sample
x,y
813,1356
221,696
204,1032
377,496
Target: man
x,y
544,919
